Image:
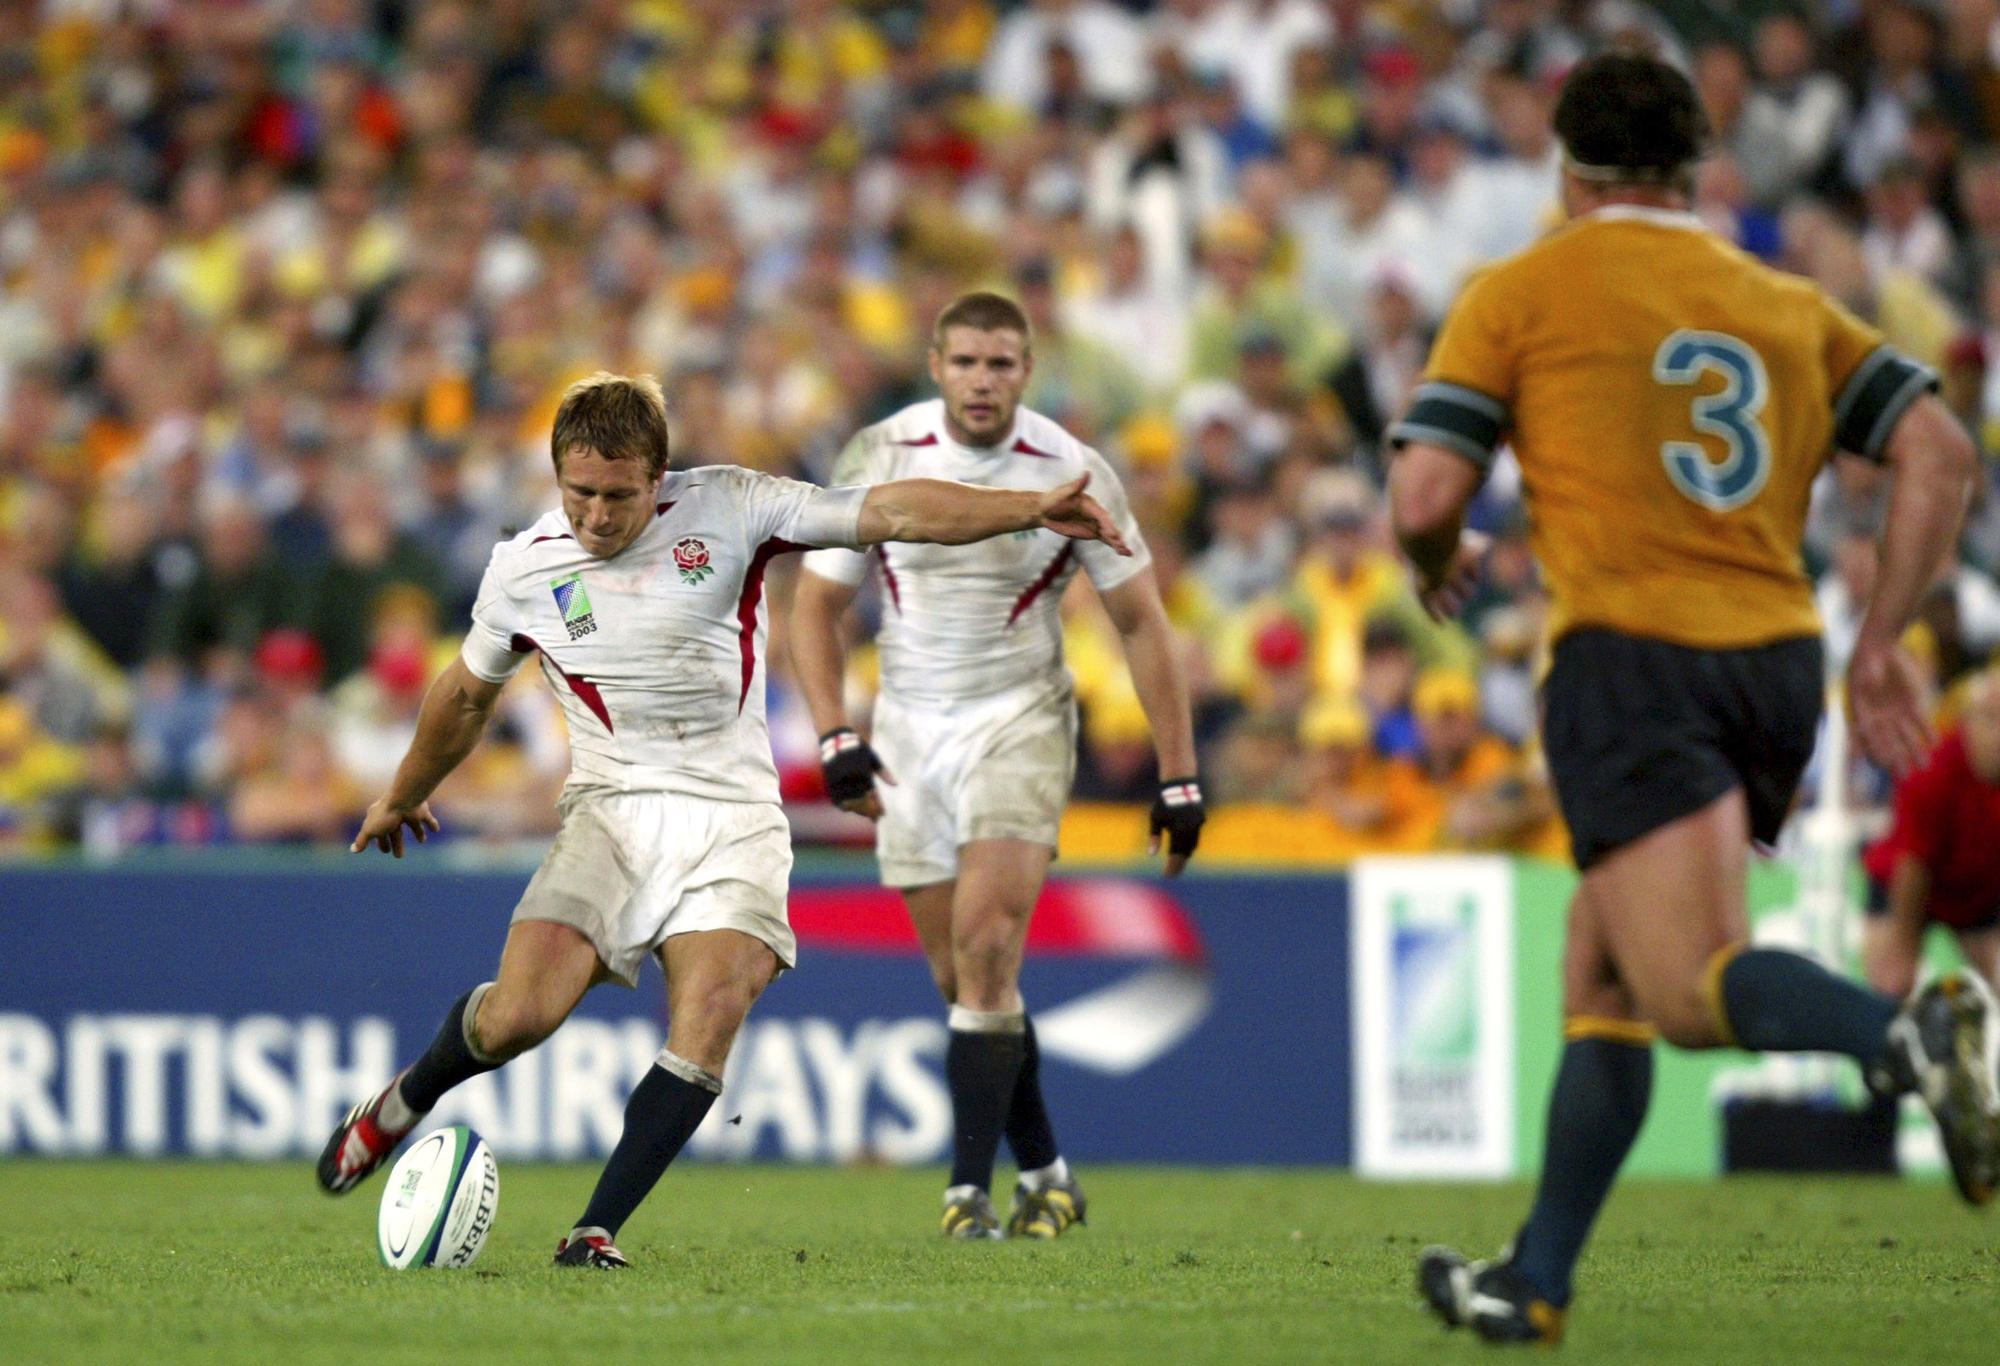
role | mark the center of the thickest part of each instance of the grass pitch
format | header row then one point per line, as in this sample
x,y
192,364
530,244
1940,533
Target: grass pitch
x,y
196,1263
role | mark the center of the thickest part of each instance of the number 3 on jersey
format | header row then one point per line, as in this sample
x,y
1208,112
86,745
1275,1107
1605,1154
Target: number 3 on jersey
x,y
1729,415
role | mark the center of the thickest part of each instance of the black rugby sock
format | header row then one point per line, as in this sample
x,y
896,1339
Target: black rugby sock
x,y
1595,1109
1780,1002
449,1060
665,1109
1029,1133
981,1064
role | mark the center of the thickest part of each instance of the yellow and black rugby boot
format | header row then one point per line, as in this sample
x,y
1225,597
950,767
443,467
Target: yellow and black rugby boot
x,y
1944,1044
968,1213
1491,1298
1045,1213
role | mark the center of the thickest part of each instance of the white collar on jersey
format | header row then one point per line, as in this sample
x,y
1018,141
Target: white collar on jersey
x,y
1645,213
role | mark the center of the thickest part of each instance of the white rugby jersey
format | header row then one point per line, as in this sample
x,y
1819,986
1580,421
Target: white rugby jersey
x,y
658,651
966,621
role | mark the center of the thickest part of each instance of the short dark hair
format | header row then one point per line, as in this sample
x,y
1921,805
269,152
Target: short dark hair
x,y
1631,118
621,417
984,312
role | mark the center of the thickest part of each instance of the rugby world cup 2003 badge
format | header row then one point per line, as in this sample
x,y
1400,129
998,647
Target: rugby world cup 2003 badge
x,y
691,558
1434,986
574,604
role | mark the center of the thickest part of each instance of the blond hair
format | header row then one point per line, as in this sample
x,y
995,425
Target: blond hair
x,y
621,417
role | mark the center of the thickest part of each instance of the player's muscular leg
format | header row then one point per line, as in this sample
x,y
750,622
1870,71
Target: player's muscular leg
x,y
713,977
1592,988
544,971
998,883
930,913
1667,903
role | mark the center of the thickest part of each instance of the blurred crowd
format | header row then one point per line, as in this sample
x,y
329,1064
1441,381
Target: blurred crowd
x,y
288,289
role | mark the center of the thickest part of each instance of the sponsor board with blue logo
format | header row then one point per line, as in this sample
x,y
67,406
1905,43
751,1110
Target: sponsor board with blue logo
x,y
237,1009
1434,1029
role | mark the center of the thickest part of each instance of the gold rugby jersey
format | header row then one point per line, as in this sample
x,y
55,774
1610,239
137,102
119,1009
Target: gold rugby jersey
x,y
1670,399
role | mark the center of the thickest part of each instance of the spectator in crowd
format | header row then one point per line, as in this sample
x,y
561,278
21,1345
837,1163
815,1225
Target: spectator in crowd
x,y
1894,63
1130,316
1381,230
113,575
1080,381
1453,761
36,773
296,793
67,686
1978,248
1375,383
1242,136
1517,187
1387,686
1237,299
370,557
1345,778
1751,131
1807,106
1904,232
237,593
1253,545
1107,41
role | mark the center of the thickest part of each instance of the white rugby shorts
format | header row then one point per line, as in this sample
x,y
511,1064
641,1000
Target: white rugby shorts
x,y
630,870
995,767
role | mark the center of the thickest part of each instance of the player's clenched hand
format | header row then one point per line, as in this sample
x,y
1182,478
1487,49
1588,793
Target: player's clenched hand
x,y
851,765
1074,513
383,826
1890,704
1178,814
1446,595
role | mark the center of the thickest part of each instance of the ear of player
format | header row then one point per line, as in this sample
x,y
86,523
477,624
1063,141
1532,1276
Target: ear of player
x,y
850,765
1178,813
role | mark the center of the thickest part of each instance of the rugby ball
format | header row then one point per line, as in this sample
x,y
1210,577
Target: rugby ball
x,y
439,1204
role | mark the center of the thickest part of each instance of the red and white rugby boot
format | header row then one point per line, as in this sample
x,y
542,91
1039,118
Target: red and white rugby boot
x,y
361,1143
592,1248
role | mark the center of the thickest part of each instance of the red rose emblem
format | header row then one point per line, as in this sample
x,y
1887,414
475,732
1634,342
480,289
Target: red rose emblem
x,y
691,558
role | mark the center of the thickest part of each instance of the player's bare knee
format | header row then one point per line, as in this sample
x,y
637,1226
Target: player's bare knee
x,y
986,973
715,1010
509,1025
986,938
1685,1021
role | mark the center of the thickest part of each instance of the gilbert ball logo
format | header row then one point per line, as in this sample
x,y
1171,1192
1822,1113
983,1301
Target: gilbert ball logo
x,y
691,558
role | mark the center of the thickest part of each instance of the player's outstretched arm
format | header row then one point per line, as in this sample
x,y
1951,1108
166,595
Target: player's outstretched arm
x,y
820,662
1935,466
453,716
1429,489
940,511
1157,676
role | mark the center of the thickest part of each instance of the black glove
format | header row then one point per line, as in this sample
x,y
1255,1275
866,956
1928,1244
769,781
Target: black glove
x,y
850,765
1178,812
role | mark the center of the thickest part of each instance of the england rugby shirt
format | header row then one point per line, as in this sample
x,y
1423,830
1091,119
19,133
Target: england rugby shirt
x,y
967,621
658,651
